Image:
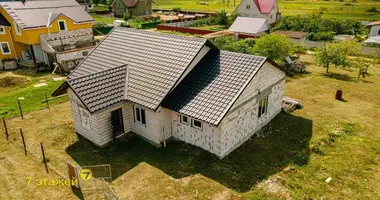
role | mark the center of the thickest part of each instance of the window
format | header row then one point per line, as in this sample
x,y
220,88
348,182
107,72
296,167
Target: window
x,y
263,106
17,28
184,119
5,50
378,32
197,124
248,7
85,118
140,115
271,17
2,30
62,25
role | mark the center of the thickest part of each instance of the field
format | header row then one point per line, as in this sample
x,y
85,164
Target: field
x,y
336,9
326,138
22,86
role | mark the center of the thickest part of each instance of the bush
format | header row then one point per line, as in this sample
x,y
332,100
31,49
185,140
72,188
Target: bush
x,y
373,9
230,44
322,28
176,9
221,18
321,36
275,47
127,16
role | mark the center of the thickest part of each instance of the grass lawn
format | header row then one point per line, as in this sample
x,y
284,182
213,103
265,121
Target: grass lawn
x,y
33,96
334,9
326,138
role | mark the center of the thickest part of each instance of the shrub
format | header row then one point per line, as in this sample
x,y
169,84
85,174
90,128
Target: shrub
x,y
275,47
321,36
11,80
127,16
176,9
373,9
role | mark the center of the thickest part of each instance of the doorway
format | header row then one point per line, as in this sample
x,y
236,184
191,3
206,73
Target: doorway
x,y
117,123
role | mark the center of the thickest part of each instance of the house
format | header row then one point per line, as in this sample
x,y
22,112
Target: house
x,y
375,29
296,37
267,9
163,86
374,34
86,4
135,8
22,25
246,26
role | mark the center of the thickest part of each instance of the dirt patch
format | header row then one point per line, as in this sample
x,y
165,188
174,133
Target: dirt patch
x,y
274,186
11,80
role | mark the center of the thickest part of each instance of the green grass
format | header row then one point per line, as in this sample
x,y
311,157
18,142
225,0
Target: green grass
x,y
103,20
326,138
335,9
33,96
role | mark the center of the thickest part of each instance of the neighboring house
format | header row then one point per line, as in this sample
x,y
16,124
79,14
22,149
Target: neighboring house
x,y
295,36
374,34
267,9
22,25
163,86
135,8
86,4
375,29
250,26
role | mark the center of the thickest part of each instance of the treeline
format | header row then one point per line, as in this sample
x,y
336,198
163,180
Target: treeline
x,y
319,28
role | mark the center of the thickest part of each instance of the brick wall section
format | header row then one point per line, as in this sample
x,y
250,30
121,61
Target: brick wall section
x,y
242,121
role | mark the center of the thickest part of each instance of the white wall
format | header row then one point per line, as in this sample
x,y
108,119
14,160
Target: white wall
x,y
254,12
374,31
242,121
207,138
100,131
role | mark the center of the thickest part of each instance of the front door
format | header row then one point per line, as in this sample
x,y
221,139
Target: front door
x,y
117,122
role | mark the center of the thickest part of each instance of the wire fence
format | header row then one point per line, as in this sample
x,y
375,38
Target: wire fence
x,y
53,163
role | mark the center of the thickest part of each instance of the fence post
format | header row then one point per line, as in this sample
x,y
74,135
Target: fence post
x,y
47,102
43,157
19,105
23,142
6,129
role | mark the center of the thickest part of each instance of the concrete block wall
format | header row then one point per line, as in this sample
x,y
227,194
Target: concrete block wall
x,y
207,138
242,121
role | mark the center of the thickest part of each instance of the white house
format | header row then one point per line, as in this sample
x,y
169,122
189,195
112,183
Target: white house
x,y
375,29
163,86
267,9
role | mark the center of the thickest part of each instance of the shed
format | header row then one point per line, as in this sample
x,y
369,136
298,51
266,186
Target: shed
x,y
250,26
297,37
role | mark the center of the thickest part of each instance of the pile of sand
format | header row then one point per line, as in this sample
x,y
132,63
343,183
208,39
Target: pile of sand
x,y
10,80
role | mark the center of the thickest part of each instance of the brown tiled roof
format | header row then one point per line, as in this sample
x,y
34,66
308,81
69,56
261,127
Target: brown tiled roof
x,y
211,88
155,61
291,34
374,23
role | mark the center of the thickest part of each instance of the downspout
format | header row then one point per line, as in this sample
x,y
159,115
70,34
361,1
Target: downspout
x,y
13,45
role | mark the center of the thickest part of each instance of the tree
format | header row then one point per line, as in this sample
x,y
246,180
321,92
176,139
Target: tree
x,y
222,17
96,2
336,54
275,47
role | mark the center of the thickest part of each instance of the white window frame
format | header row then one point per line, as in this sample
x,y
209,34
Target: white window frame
x,y
187,119
2,50
248,7
64,22
263,107
2,32
17,28
195,126
138,115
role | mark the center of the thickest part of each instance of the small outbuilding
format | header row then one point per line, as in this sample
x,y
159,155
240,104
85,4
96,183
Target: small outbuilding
x,y
163,86
297,37
135,8
253,27
375,29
